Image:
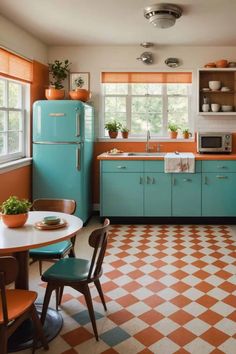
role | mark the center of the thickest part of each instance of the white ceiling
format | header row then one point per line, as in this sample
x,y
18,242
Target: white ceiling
x,y
121,22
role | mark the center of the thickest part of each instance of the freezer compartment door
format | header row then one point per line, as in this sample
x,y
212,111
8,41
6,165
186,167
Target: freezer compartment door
x,y
58,121
56,175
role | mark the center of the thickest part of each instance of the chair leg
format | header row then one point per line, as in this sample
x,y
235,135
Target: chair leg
x,y
60,294
99,289
72,253
40,267
86,292
38,330
3,340
46,300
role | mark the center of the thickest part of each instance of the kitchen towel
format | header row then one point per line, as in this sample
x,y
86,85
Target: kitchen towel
x,y
179,162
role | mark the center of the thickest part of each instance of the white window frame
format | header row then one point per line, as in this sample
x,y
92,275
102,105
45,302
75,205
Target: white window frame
x,y
24,128
164,110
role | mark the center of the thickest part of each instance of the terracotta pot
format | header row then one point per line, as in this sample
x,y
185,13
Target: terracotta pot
x,y
16,220
125,135
112,135
186,135
222,63
80,94
54,94
173,135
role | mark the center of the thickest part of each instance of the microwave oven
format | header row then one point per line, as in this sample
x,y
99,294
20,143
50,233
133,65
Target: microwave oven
x,y
214,142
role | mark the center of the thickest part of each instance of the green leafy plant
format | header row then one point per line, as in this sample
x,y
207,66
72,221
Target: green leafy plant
x,y
124,129
185,131
173,127
79,82
113,126
59,71
13,205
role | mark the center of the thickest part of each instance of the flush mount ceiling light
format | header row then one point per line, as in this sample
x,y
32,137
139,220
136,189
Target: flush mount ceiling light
x,y
162,15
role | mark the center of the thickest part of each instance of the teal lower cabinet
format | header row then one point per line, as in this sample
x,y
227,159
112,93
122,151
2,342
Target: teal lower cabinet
x,y
218,194
157,194
186,194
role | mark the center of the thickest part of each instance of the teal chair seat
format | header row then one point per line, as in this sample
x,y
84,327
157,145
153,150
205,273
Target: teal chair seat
x,y
68,270
56,250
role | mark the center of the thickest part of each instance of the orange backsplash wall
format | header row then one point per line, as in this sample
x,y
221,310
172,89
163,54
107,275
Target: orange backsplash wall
x,y
16,182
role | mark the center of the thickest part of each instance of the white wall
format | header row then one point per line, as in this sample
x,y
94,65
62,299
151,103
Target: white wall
x,y
16,39
95,59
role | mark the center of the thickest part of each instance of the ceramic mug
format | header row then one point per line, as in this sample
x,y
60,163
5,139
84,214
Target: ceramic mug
x,y
215,107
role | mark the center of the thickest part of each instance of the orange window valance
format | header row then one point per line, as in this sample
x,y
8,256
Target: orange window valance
x,y
15,67
148,77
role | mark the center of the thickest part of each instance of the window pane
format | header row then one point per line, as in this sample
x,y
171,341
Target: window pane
x,y
154,104
178,111
155,123
14,120
115,104
116,89
13,142
138,124
14,95
139,104
2,121
177,89
2,93
139,89
2,152
154,89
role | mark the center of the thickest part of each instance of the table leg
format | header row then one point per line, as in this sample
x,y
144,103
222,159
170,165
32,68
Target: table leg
x,y
22,280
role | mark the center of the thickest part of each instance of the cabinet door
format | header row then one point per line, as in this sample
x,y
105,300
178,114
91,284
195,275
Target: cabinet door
x,y
122,194
157,194
218,194
186,194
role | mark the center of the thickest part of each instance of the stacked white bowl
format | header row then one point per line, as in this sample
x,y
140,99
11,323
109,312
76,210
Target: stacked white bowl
x,y
214,85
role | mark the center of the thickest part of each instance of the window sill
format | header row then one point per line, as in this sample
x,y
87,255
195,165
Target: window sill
x,y
154,140
13,165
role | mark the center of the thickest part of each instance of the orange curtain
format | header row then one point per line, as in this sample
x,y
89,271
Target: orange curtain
x,y
15,67
148,77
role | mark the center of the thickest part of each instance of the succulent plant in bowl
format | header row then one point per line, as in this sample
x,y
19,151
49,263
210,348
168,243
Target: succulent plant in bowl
x,y
14,211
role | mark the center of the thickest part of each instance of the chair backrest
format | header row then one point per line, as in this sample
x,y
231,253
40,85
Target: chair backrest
x,y
8,273
62,205
98,240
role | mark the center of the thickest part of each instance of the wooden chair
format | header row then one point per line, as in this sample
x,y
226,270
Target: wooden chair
x,y
79,273
16,306
60,249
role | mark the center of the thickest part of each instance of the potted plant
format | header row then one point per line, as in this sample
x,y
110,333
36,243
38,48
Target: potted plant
x,y
14,211
173,130
113,128
58,72
79,93
186,133
124,132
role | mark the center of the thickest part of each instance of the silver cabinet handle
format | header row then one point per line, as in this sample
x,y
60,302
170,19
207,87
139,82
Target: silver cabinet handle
x,y
77,124
141,180
153,180
205,180
187,180
173,181
221,167
121,167
222,177
147,179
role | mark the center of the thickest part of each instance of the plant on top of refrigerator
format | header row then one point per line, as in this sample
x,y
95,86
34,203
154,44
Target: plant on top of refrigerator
x,y
58,71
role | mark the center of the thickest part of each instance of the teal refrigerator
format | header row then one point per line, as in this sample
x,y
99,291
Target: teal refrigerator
x,y
63,138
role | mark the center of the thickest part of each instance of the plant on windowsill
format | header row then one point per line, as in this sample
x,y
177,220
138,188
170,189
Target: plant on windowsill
x,y
186,133
173,130
14,211
124,132
79,93
58,72
113,128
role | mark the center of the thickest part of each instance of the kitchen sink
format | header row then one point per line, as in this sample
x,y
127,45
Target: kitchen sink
x,y
161,154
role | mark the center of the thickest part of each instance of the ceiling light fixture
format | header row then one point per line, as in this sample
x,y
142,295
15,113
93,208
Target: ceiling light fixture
x,y
162,15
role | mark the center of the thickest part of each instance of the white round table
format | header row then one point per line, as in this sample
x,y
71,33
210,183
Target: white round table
x,y
18,241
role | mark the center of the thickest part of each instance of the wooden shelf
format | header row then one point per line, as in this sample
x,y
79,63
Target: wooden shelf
x,y
215,92
216,113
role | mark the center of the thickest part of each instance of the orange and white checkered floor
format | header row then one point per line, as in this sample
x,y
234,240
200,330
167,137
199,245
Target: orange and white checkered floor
x,y
169,289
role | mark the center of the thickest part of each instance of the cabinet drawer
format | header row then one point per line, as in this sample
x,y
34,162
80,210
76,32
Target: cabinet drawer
x,y
122,166
219,166
153,166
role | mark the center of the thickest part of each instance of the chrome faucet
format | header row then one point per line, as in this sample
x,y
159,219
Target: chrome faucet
x,y
147,143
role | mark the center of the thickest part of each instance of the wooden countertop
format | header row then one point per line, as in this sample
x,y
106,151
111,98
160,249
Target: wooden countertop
x,y
203,157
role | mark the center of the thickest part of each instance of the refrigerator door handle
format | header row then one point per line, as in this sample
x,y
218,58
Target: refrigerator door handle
x,y
77,124
78,158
